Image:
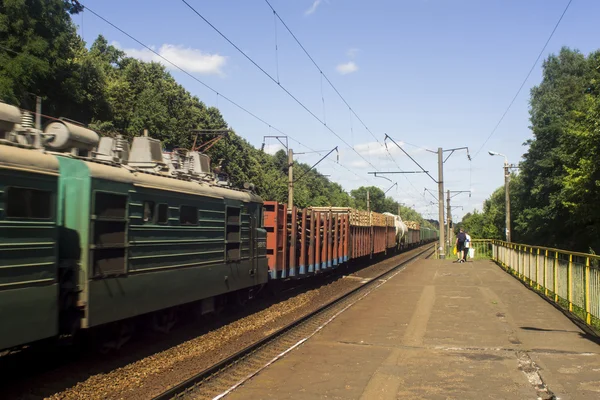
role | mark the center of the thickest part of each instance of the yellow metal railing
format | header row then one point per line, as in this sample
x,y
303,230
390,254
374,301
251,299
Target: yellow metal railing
x,y
570,279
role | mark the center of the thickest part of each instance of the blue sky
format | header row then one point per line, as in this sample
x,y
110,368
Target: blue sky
x,y
429,73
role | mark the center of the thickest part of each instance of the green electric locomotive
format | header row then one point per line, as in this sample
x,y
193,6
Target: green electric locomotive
x,y
93,232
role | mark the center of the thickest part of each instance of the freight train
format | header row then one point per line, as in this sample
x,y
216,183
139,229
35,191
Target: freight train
x,y
95,232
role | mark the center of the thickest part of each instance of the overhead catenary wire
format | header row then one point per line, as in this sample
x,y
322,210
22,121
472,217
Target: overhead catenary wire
x,y
275,81
276,46
206,86
323,75
202,83
229,100
283,88
525,80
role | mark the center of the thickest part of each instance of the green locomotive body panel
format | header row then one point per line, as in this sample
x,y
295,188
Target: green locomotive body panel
x,y
150,242
28,247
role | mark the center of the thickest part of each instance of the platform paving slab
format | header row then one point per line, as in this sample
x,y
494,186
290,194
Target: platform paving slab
x,y
440,330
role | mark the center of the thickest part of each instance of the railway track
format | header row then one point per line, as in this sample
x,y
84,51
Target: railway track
x,y
225,376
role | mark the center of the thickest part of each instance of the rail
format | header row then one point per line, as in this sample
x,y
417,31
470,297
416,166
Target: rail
x,y
184,388
569,279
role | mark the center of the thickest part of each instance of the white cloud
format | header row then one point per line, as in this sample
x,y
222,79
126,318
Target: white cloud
x,y
273,148
360,163
190,59
352,52
375,149
313,8
347,68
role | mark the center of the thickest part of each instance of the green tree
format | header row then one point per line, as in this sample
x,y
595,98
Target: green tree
x,y
559,207
39,54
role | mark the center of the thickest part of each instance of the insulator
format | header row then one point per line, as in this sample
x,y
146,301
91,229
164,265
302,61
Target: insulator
x,y
27,120
119,143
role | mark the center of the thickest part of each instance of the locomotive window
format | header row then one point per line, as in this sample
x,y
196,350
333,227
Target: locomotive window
x,y
162,214
148,212
110,205
188,215
28,203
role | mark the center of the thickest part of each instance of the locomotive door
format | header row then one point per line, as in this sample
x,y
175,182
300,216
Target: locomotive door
x,y
253,248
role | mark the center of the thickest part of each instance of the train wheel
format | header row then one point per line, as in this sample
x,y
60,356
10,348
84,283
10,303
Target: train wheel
x,y
163,321
116,335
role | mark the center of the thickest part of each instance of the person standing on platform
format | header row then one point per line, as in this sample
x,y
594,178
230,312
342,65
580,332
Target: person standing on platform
x,y
460,245
467,246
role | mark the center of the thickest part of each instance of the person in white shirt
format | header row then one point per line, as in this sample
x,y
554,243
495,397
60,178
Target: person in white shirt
x,y
467,246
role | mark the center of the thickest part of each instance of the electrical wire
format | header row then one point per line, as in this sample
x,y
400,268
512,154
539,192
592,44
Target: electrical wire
x,y
525,80
275,81
323,75
214,90
202,83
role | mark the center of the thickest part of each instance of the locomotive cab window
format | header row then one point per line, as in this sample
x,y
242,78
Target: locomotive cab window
x,y
27,203
188,215
162,214
148,212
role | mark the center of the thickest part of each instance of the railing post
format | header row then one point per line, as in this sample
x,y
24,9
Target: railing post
x,y
555,277
537,268
530,255
570,282
521,264
588,313
546,273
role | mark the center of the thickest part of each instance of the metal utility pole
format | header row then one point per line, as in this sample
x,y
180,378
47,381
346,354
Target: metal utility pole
x,y
290,179
507,197
507,168
440,154
440,181
368,201
448,211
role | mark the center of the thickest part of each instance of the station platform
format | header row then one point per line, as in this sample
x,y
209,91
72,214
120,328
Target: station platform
x,y
440,330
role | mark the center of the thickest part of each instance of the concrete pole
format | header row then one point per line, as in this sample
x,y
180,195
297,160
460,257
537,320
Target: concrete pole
x,y
507,195
449,238
38,112
442,249
290,179
368,201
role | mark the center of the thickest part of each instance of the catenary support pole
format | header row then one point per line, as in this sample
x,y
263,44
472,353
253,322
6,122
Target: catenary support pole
x,y
449,213
507,195
441,202
290,179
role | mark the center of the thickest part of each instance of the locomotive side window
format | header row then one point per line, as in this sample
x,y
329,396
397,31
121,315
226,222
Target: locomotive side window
x,y
148,212
109,205
188,215
26,203
162,214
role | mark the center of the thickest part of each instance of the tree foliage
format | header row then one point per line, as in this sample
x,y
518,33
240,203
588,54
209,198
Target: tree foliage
x,y
555,201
